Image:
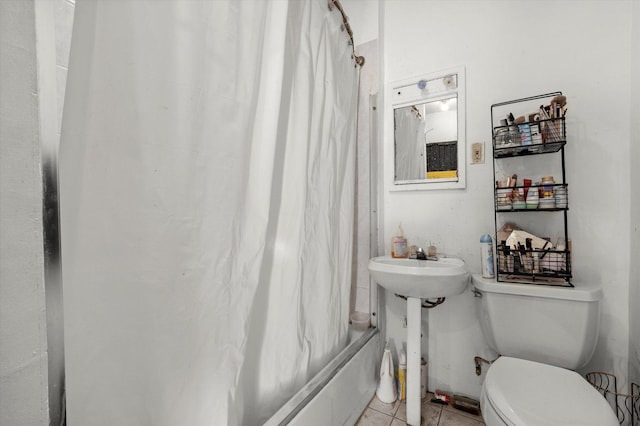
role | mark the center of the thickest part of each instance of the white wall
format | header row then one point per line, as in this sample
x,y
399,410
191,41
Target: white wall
x,y
64,10
634,275
360,294
363,19
60,13
508,51
35,51
23,364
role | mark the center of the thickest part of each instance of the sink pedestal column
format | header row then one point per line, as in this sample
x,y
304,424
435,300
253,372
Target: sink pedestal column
x,y
418,279
414,311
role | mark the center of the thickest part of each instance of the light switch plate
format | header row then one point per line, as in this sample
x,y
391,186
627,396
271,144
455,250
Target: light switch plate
x,y
477,153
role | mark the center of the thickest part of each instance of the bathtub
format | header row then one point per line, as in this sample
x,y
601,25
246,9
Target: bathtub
x,y
340,392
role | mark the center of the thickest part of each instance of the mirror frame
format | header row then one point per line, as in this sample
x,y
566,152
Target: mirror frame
x,y
405,93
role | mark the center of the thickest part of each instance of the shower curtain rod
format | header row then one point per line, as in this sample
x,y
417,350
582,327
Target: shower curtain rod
x,y
359,59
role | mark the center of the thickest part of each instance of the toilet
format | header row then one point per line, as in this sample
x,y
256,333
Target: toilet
x,y
542,334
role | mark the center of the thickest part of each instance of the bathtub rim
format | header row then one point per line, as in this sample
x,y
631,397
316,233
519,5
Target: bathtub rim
x,y
297,402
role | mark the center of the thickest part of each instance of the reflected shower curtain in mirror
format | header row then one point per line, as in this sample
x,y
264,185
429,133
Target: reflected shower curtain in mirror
x,y
409,144
207,167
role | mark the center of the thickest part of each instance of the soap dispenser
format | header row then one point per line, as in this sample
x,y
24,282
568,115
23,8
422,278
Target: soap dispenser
x,y
399,244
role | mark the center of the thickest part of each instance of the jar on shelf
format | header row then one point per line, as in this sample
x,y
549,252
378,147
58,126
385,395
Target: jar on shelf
x,y
507,136
547,183
532,199
503,199
561,196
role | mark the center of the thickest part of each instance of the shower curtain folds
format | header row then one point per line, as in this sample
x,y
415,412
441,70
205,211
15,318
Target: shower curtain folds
x,y
207,166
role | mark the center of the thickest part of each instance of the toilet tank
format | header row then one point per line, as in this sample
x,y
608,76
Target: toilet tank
x,y
551,325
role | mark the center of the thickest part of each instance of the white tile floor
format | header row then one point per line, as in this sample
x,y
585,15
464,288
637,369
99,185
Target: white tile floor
x,y
380,414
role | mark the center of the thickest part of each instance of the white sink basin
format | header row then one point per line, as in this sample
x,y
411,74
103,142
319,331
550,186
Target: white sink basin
x,y
425,279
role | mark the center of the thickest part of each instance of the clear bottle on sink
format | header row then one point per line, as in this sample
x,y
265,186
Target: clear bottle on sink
x,y
399,244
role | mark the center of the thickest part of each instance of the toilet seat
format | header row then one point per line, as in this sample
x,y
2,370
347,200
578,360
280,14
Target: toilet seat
x,y
530,393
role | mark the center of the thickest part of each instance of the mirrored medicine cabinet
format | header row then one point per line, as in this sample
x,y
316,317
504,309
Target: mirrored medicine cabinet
x,y
429,131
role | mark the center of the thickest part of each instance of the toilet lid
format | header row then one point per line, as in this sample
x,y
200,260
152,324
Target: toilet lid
x,y
529,393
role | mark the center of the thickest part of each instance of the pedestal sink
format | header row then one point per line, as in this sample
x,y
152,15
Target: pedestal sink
x,y
418,279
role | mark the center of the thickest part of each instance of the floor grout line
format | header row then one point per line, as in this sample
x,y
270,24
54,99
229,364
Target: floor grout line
x,y
391,415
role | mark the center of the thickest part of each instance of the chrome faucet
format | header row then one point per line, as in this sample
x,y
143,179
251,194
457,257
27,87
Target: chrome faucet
x,y
421,255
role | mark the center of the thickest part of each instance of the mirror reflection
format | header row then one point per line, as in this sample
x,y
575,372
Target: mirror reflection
x,y
429,131
426,136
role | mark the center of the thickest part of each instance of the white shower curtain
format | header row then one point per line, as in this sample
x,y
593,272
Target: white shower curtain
x,y
207,184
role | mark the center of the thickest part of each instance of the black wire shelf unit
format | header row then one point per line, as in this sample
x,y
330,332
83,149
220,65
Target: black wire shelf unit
x,y
537,135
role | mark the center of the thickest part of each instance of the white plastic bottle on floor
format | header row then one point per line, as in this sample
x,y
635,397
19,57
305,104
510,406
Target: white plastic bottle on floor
x,y
386,391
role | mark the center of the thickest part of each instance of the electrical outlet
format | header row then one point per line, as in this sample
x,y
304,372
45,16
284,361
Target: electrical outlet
x,y
477,153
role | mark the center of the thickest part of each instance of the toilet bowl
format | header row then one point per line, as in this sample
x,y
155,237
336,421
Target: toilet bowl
x,y
541,334
521,392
